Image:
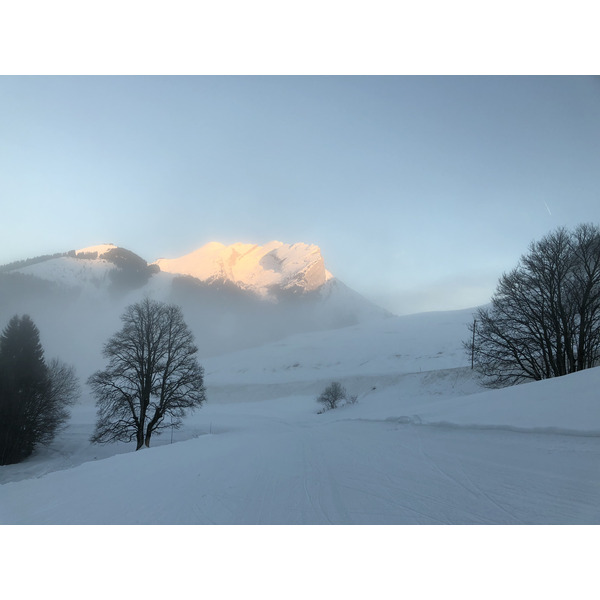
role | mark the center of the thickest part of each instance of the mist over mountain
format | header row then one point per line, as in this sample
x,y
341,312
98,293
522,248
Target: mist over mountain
x,y
232,297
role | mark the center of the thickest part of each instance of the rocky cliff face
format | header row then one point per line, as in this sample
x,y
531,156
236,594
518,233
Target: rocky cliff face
x,y
265,270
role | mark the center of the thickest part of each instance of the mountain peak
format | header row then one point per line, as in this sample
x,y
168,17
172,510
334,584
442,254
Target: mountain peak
x,y
99,250
261,269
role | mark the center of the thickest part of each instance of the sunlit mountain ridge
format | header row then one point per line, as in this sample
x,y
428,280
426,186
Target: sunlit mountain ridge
x,y
296,267
233,297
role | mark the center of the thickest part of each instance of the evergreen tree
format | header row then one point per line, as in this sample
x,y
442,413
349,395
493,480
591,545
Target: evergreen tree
x,y
33,396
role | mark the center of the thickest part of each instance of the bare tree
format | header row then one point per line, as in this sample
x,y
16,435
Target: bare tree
x,y
585,295
352,399
152,373
51,413
332,395
544,319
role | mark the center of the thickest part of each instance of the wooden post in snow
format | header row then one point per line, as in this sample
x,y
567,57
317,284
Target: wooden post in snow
x,y
473,344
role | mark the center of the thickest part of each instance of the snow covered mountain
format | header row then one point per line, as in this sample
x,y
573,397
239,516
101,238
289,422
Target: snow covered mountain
x,y
233,297
262,269
275,272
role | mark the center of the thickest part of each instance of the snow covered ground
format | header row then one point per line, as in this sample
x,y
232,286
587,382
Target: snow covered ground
x,y
423,445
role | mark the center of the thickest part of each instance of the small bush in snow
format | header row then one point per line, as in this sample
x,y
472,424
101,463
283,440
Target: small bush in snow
x,y
352,399
332,395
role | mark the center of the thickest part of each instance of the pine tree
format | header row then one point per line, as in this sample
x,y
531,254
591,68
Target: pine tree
x,y
33,396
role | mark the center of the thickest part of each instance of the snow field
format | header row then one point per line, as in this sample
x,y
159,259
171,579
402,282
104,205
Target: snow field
x,y
378,462
424,445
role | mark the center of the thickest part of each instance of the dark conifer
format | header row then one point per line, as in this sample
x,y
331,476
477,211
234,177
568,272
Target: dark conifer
x,y
33,396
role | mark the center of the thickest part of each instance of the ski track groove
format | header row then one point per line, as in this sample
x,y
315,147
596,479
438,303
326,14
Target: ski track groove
x,y
394,486
477,494
487,496
322,510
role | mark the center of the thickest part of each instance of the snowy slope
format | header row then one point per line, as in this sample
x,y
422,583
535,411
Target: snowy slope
x,y
386,347
91,271
277,462
91,275
424,444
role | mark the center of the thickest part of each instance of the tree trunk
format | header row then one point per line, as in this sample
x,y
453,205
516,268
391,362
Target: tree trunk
x,y
140,439
152,423
149,430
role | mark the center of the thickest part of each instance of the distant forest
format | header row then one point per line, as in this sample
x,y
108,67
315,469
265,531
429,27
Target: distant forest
x,y
20,264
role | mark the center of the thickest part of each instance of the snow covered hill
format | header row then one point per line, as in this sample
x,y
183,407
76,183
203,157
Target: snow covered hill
x,y
97,271
424,444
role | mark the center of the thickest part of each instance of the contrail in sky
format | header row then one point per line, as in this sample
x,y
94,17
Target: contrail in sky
x,y
547,208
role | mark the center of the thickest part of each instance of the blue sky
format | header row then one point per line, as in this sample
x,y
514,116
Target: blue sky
x,y
420,191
